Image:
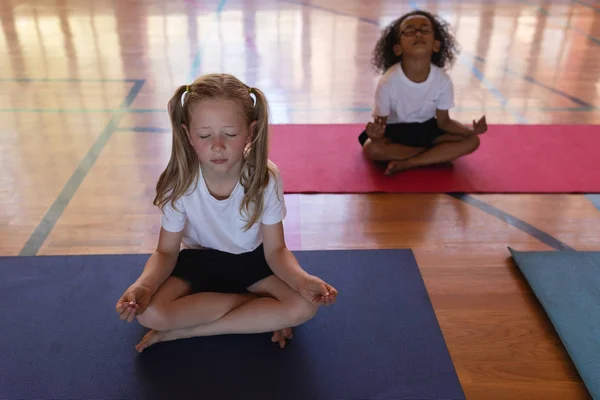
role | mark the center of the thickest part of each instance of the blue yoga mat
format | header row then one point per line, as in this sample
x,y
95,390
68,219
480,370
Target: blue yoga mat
x,y
61,338
567,284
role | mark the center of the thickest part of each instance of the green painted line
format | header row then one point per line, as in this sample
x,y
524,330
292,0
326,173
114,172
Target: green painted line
x,y
79,110
60,110
278,109
70,80
145,129
42,231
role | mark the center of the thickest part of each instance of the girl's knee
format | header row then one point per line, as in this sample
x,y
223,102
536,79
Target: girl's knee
x,y
370,151
474,143
155,318
301,311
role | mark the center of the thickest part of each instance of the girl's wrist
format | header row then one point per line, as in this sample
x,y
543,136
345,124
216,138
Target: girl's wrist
x,y
298,280
148,282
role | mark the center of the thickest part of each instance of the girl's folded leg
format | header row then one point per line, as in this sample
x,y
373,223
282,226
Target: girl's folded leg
x,y
386,150
286,308
442,152
172,307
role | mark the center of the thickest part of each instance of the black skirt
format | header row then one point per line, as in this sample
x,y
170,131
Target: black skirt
x,y
414,134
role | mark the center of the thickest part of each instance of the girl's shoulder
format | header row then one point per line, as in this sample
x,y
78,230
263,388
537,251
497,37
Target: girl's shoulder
x,y
275,183
440,73
392,73
274,174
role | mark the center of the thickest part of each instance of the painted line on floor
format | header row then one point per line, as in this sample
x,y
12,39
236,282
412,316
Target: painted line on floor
x,y
594,199
512,220
42,231
193,75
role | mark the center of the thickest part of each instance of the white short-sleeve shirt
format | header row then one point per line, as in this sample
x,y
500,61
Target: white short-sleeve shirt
x,y
403,100
218,224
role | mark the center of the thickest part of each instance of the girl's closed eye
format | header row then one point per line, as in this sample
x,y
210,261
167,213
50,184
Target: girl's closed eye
x,y
206,136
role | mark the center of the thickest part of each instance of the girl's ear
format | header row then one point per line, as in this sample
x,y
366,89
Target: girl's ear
x,y
436,46
397,50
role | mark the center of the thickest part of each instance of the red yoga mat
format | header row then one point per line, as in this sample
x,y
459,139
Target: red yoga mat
x,y
511,159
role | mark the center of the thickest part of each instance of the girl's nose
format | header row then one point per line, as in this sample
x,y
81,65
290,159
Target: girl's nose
x,y
217,143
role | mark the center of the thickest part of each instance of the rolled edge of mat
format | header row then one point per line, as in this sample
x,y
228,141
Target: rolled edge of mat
x,y
574,355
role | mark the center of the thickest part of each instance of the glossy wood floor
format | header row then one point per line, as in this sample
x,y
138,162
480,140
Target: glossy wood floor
x,y
84,84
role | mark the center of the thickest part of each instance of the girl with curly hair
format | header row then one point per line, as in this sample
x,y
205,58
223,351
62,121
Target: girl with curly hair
x,y
412,126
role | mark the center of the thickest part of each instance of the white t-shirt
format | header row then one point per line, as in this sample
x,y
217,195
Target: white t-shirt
x,y
403,100
218,224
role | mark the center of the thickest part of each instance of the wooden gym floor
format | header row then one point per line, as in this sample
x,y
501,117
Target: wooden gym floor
x,y
83,92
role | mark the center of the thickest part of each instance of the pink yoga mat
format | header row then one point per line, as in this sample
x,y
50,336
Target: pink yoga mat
x,y
511,159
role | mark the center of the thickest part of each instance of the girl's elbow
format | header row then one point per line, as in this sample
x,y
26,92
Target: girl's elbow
x,y
441,123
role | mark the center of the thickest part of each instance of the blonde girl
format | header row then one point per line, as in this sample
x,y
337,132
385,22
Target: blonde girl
x,y
221,265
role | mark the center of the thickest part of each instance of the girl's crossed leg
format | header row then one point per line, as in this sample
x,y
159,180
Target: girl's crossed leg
x,y
411,145
271,306
446,148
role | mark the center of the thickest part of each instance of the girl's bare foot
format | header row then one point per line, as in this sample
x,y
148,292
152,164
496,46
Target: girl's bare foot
x,y
396,166
149,339
153,337
281,336
401,165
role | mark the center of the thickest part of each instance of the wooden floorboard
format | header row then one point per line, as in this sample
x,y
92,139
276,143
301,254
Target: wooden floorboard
x,y
69,67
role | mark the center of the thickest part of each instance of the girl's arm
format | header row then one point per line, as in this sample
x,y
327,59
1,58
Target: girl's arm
x,y
157,269
449,125
161,264
285,266
281,260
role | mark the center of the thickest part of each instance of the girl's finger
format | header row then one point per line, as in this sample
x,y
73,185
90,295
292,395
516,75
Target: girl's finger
x,y
332,298
131,315
124,314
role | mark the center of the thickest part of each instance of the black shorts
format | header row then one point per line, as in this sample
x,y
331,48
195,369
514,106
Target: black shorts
x,y
217,271
414,134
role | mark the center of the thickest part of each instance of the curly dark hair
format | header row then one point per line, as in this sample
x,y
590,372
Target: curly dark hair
x,y
383,54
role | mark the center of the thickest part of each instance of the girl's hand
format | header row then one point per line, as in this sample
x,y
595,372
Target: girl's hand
x,y
317,292
480,126
134,302
375,130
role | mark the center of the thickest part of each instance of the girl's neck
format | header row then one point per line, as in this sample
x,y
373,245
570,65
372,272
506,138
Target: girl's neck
x,y
219,185
417,70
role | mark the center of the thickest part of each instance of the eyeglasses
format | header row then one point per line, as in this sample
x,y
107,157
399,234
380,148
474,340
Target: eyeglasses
x,y
410,32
